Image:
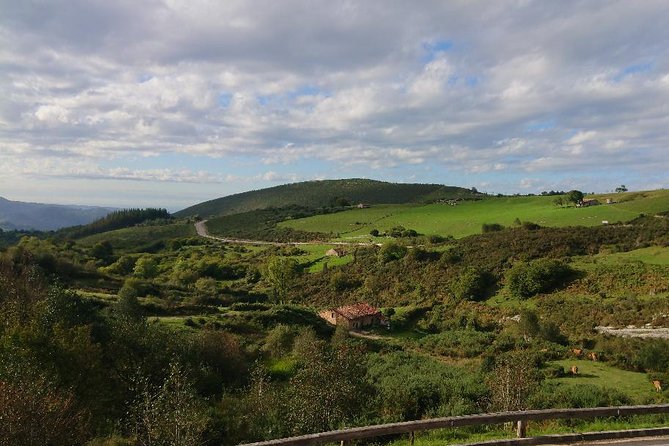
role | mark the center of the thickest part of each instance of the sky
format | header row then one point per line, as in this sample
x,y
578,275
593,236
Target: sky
x,y
172,102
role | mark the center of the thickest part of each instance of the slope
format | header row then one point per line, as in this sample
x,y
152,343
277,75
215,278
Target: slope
x,y
467,217
46,217
316,194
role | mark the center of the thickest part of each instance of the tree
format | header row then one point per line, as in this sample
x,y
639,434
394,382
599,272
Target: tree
x,y
281,274
103,251
575,196
146,267
513,380
472,284
173,414
621,188
529,279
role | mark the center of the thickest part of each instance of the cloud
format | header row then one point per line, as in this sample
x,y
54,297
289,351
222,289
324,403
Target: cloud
x,y
468,88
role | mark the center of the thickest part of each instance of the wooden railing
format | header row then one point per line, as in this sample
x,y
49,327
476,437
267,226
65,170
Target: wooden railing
x,y
521,418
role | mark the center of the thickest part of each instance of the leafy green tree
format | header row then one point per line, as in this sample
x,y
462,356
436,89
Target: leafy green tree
x,y
529,323
128,306
574,196
281,274
103,251
171,415
279,341
146,267
621,188
525,280
472,284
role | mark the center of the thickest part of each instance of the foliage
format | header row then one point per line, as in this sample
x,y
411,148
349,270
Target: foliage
x,y
171,415
261,224
392,251
525,280
411,387
472,284
116,220
318,194
491,227
281,274
574,196
512,382
401,232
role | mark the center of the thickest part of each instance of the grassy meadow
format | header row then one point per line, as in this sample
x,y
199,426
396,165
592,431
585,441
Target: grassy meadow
x,y
137,236
467,217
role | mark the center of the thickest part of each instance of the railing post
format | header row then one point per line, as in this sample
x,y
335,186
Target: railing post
x,y
345,443
521,429
412,437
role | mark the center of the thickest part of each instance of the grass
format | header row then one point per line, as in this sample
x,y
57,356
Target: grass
x,y
654,255
549,427
634,384
467,217
132,238
315,259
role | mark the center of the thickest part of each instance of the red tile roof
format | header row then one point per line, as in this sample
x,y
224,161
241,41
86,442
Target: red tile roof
x,y
357,311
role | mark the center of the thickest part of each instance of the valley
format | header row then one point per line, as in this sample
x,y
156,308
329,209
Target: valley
x,y
223,314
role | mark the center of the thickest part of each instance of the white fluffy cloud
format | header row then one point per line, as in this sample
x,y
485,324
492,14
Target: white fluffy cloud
x,y
459,88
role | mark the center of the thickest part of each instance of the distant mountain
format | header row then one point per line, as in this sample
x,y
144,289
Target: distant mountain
x,y
46,217
316,194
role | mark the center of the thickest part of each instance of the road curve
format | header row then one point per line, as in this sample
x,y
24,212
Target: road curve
x,y
201,229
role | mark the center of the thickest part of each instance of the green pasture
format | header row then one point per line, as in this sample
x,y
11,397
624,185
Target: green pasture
x,y
314,258
466,218
653,255
635,385
131,238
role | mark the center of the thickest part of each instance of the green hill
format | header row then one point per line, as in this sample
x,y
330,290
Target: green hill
x,y
317,194
468,217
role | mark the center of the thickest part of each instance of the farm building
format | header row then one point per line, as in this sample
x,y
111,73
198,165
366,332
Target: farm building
x,y
335,252
355,316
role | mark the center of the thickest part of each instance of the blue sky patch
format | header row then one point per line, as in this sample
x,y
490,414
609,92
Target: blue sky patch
x,y
224,99
434,48
540,125
633,69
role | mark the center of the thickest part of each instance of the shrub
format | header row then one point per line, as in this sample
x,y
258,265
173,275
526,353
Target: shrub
x,y
472,284
392,251
525,280
491,227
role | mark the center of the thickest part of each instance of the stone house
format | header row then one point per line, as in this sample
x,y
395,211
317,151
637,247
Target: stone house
x,y
355,316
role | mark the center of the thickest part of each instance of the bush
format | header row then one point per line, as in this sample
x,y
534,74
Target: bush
x,y
391,251
472,284
491,227
525,280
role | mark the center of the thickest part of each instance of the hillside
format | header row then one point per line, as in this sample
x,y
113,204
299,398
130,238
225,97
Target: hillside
x,y
316,194
467,218
46,217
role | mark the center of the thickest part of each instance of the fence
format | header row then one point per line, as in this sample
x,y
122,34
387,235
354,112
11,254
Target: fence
x,y
521,418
